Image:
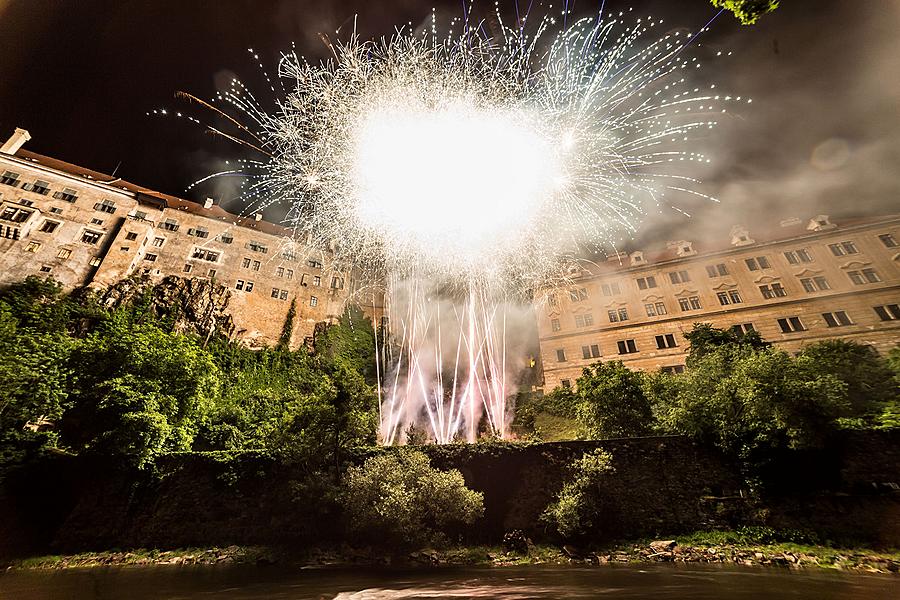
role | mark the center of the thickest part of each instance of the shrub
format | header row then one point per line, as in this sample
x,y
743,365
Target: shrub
x,y
397,498
579,507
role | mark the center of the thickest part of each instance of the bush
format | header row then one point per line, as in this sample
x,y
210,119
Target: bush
x,y
579,508
398,499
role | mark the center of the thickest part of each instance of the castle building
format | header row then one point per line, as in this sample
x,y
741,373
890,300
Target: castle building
x,y
84,228
803,282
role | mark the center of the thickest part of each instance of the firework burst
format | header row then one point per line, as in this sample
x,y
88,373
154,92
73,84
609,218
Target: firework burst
x,y
478,164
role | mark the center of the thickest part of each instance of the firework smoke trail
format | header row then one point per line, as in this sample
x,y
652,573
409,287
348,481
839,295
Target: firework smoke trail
x,y
475,167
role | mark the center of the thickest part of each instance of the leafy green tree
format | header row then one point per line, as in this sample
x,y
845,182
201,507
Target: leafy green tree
x,y
579,508
868,377
611,401
350,342
704,338
397,499
747,11
140,391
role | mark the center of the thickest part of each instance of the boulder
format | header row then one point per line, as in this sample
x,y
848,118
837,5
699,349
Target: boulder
x,y
663,545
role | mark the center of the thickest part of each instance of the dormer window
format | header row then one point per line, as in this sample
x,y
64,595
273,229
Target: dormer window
x,y
740,236
819,223
637,258
683,248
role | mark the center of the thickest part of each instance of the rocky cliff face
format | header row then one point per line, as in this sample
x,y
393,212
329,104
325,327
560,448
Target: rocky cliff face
x,y
191,305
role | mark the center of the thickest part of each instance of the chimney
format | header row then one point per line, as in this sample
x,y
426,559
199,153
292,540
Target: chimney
x,y
208,203
257,217
15,141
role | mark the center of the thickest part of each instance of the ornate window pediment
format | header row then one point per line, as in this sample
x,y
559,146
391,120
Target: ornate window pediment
x,y
652,298
807,272
686,292
766,279
725,285
580,309
615,304
855,264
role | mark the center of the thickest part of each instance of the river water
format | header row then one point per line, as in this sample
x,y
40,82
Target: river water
x,y
657,582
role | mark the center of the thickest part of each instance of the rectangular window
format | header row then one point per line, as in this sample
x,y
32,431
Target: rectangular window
x,y
690,303
9,178
665,341
45,269
585,352
239,285
257,247
661,308
757,263
211,273
554,325
33,247
95,261
279,272
38,187
611,289
317,281
15,215
56,210
313,301
888,312
595,350
107,206
565,383
552,300
275,292
613,316
646,282
337,283
187,268
585,320
226,238
560,355
626,346
314,264
96,221
679,277
256,265
776,290
577,295
843,248
283,295
49,226
717,270
290,273
729,297
795,257
289,255
170,225
651,310
131,236
864,276
200,232
791,325
245,263
158,242
888,240
837,319
742,329
204,254
91,237
150,257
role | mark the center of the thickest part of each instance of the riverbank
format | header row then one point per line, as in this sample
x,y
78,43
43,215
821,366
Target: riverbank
x,y
698,548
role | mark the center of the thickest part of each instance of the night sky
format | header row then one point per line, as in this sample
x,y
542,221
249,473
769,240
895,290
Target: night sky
x,y
822,135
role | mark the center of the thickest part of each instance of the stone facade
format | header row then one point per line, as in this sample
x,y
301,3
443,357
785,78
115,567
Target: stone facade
x,y
806,281
84,228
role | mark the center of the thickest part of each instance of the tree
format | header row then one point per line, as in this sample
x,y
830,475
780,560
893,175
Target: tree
x,y
704,338
868,377
398,499
611,401
747,11
350,342
579,507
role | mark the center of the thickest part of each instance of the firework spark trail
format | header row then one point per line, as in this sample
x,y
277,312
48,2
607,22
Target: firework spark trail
x,y
471,166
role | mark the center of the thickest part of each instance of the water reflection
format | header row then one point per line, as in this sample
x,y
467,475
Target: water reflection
x,y
660,582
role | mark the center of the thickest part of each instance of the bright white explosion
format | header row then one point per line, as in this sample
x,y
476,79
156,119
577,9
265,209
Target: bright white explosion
x,y
466,170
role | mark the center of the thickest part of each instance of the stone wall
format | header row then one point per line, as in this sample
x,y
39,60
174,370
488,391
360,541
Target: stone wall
x,y
662,486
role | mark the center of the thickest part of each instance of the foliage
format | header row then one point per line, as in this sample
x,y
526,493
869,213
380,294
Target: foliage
x,y
119,382
351,343
579,508
704,339
747,11
611,401
398,499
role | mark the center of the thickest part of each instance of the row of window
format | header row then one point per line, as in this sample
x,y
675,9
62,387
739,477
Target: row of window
x,y
756,263
793,324
277,293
